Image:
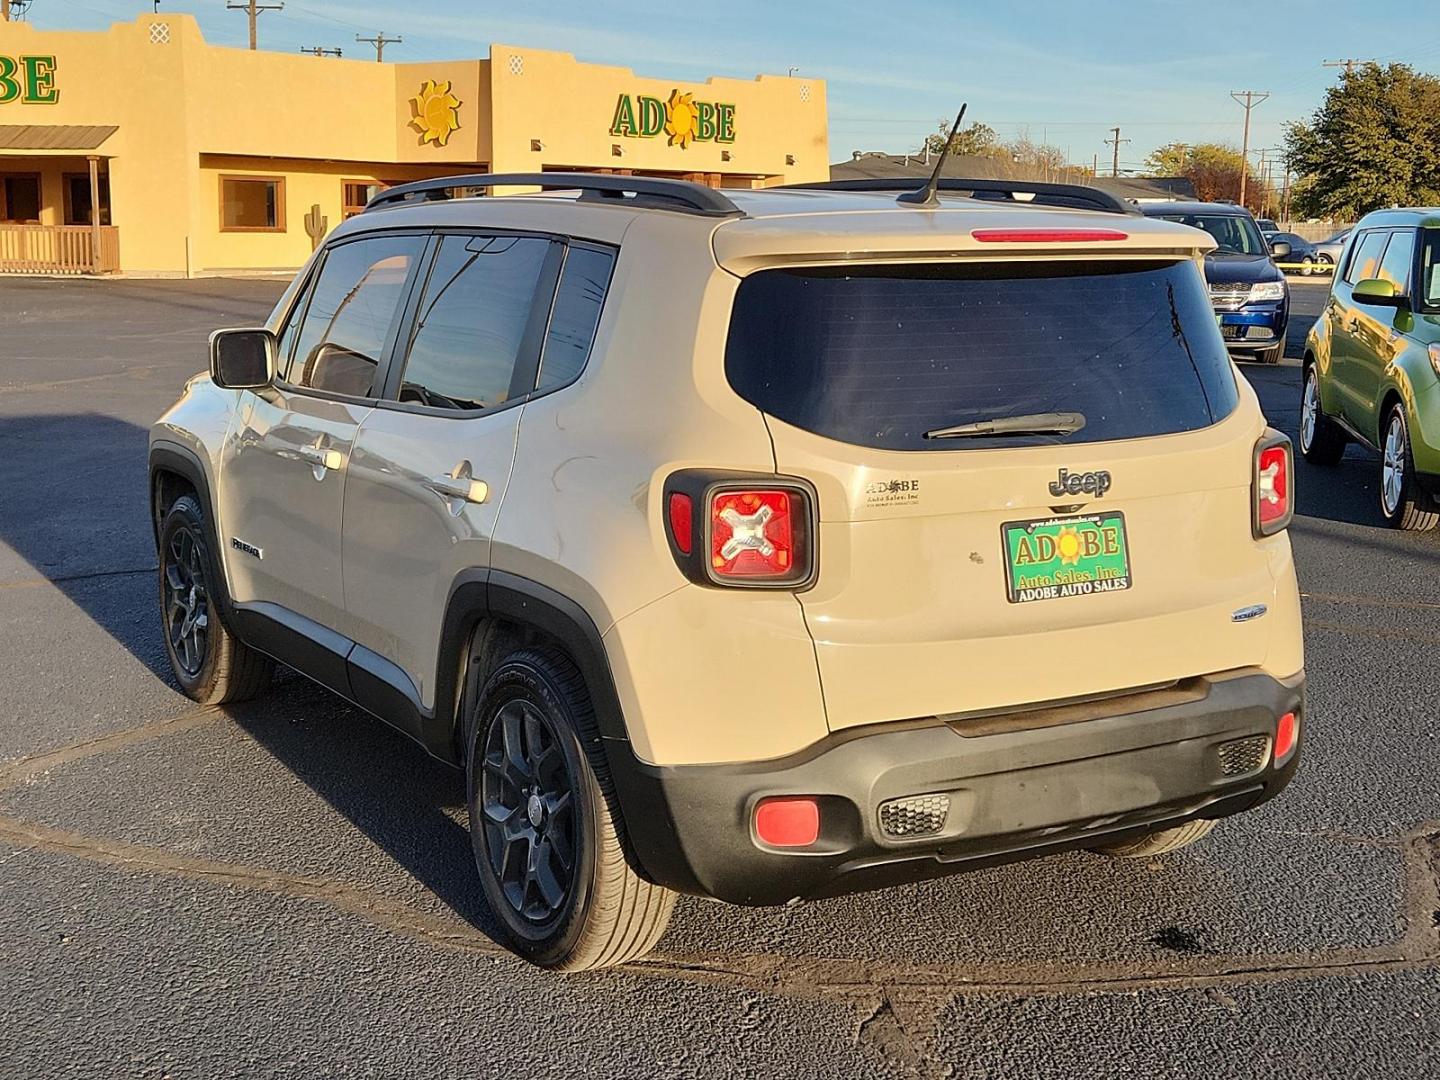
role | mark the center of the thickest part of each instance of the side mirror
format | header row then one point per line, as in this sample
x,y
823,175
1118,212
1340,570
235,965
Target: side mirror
x,y
1377,292
243,359
1279,248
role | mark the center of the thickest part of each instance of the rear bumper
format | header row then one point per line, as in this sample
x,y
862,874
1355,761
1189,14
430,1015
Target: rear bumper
x,y
1016,790
1260,326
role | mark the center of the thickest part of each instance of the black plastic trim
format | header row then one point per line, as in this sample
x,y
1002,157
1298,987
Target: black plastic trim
x,y
1072,196
180,460
1270,439
315,651
655,192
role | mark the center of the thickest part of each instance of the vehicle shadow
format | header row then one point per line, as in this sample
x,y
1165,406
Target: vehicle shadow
x,y
91,538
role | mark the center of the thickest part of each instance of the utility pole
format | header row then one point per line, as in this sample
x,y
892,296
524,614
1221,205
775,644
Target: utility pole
x,y
1094,164
1115,142
1251,98
1285,198
11,10
317,50
379,41
1348,63
253,9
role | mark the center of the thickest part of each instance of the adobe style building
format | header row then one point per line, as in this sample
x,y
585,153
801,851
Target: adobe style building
x,y
201,160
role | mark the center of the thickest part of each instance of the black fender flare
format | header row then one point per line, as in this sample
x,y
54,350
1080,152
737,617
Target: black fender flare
x,y
183,462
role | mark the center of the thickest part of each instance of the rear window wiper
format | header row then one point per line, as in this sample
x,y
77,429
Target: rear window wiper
x,y
1047,423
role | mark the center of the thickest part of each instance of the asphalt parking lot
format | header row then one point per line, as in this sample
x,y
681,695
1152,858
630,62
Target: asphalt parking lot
x,y
284,888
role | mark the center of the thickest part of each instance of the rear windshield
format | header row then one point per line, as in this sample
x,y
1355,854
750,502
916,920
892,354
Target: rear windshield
x,y
879,356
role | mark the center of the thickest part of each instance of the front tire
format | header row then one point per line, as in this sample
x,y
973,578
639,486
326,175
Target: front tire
x,y
545,824
210,663
1159,843
1402,501
1322,441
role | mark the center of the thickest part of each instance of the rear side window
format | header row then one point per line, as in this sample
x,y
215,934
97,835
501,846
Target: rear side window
x,y
1399,254
1365,260
881,355
576,314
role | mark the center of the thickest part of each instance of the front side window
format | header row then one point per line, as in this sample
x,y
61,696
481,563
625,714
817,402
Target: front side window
x,y
1399,254
470,327
880,356
350,312
575,316
1429,285
1365,259
1235,234
252,204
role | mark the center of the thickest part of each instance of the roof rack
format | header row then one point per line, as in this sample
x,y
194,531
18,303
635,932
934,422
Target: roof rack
x,y
658,193
1072,196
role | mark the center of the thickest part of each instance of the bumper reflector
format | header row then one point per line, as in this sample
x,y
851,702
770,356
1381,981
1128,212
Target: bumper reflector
x,y
918,815
788,822
1287,731
1241,756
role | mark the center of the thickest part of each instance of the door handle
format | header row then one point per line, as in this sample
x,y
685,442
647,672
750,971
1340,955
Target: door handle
x,y
320,458
459,486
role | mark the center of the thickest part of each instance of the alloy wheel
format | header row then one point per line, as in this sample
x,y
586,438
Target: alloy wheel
x,y
1309,411
527,801
187,601
1392,467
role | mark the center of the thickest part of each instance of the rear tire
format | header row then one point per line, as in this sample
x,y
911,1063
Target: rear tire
x,y
1159,843
1322,440
210,663
545,824
1403,502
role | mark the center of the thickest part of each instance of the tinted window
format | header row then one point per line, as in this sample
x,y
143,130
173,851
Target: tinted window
x,y
349,314
879,356
576,314
1430,268
471,322
1365,257
1235,234
1399,254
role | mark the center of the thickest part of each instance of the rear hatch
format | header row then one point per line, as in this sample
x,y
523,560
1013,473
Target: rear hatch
x,y
976,573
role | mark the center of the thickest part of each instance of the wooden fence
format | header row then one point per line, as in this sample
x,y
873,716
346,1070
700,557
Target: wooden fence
x,y
58,249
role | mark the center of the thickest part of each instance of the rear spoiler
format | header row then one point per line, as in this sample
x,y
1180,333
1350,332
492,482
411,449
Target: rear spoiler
x,y
1017,192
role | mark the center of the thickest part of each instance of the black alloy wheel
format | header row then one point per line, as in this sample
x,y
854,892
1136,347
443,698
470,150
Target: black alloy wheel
x,y
187,600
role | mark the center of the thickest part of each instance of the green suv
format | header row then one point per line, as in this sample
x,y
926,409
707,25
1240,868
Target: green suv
x,y
1372,362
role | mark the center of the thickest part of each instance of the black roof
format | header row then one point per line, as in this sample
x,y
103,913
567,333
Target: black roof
x,y
979,166
1159,209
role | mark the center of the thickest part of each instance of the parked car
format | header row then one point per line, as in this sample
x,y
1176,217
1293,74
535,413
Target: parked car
x,y
1328,251
761,545
1372,363
1266,225
1300,251
1247,289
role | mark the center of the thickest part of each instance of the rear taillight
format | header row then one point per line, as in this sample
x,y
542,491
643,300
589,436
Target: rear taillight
x,y
741,531
1272,485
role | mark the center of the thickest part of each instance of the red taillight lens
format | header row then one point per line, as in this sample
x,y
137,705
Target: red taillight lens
x,y
788,822
1273,489
752,535
681,522
1287,733
1041,236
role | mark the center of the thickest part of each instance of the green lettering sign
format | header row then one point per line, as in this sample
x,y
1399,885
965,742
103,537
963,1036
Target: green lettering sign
x,y
704,121
40,80
624,122
9,85
652,116
724,123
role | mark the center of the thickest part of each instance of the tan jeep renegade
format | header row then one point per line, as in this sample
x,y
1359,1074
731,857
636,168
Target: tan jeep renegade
x,y
759,545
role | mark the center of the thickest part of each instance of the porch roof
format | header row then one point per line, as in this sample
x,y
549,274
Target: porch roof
x,y
54,136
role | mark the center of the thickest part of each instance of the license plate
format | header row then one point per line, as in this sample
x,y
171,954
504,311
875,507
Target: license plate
x,y
1232,333
1050,558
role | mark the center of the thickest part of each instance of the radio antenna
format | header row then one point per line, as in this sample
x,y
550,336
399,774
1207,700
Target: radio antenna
x,y
924,198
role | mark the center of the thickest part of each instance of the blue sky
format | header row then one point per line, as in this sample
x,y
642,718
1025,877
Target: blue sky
x,y
1063,71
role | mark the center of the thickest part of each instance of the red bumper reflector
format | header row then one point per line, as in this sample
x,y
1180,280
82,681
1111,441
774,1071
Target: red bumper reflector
x,y
1042,236
788,822
681,523
1286,732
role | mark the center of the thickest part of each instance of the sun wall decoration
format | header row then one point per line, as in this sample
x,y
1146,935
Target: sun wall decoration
x,y
436,112
680,118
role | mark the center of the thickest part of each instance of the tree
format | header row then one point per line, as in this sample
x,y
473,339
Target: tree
x,y
975,139
1214,169
1374,142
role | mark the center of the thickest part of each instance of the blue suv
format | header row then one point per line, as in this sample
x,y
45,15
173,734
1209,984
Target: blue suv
x,y
1247,289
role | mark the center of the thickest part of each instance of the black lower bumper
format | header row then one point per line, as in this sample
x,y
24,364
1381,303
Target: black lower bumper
x,y
1017,787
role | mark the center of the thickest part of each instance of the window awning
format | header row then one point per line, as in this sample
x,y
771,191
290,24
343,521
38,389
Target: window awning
x,y
54,136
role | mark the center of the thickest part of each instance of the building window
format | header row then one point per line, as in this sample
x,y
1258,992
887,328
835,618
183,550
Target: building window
x,y
356,194
252,204
20,198
77,199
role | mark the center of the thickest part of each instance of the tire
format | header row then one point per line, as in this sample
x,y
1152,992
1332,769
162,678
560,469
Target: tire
x,y
1322,441
1159,843
1402,502
210,663
538,782
1271,355
1307,266
1323,263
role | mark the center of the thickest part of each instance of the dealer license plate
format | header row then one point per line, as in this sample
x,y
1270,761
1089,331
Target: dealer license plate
x,y
1050,558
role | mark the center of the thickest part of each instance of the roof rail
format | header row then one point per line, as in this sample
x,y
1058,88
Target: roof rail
x,y
1073,196
658,193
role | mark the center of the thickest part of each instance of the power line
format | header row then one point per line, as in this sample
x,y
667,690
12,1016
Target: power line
x,y
318,50
253,9
1348,63
1114,143
1251,99
379,41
